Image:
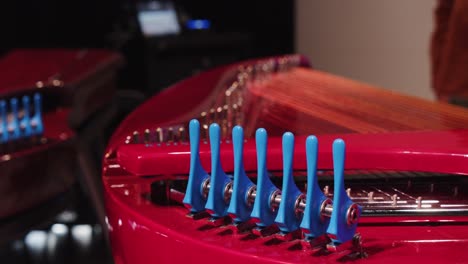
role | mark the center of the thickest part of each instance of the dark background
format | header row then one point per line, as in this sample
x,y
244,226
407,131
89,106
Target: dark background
x,y
239,30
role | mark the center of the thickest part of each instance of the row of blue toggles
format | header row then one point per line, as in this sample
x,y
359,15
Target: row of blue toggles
x,y
310,220
16,122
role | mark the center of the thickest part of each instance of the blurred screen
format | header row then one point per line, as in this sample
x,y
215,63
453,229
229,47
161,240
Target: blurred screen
x,y
158,19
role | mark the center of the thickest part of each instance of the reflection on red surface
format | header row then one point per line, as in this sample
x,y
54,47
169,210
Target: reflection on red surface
x,y
141,230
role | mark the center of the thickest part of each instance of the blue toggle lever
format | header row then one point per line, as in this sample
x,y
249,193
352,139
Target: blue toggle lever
x,y
287,219
194,198
345,213
262,210
239,208
37,118
26,120
4,124
216,204
313,224
14,124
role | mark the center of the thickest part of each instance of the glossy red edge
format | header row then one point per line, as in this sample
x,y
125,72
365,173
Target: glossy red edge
x,y
408,151
40,64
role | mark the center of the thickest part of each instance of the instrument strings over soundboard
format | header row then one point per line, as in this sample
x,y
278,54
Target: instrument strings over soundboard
x,y
275,94
352,107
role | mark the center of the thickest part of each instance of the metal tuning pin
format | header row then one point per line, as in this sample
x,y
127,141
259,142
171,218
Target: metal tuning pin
x,y
345,214
264,211
26,120
289,218
219,193
4,122
14,126
159,136
181,134
147,136
136,137
37,118
313,223
170,135
195,198
240,206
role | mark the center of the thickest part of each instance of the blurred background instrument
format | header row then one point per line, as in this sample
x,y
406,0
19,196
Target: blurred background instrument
x,y
49,101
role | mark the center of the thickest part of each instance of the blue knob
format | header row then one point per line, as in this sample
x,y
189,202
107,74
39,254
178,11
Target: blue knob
x,y
194,198
14,124
37,118
342,224
262,211
26,120
287,219
216,204
313,225
239,207
4,123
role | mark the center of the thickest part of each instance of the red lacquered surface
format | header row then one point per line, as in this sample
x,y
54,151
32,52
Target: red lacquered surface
x,y
142,231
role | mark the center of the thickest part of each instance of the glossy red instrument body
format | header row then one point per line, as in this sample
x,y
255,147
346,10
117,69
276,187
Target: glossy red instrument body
x,y
73,84
143,232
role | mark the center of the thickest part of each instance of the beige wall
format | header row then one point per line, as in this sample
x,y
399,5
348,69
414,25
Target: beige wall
x,y
382,42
